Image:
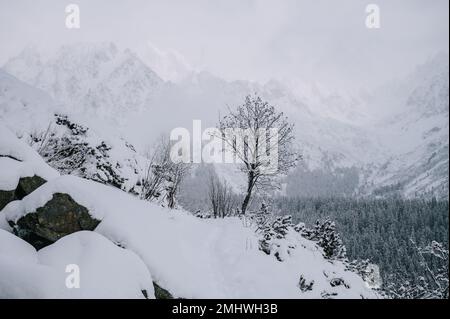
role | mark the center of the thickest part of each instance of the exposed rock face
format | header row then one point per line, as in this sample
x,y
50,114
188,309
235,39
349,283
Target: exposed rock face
x,y
6,197
161,293
25,186
59,217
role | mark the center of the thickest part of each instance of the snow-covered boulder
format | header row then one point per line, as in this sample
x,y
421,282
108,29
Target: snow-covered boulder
x,y
21,275
105,270
58,217
102,269
18,179
13,247
22,170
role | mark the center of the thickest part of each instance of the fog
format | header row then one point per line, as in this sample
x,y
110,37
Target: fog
x,y
314,41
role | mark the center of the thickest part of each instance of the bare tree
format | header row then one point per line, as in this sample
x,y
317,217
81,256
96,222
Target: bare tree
x,y
222,199
157,170
163,176
261,139
177,172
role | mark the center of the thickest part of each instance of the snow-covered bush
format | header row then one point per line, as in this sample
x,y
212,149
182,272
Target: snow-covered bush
x,y
272,231
163,176
368,271
326,236
70,148
304,285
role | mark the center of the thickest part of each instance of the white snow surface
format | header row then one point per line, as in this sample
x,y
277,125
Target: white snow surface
x,y
196,258
18,160
106,271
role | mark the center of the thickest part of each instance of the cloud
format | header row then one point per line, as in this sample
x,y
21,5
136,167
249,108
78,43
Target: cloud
x,y
316,41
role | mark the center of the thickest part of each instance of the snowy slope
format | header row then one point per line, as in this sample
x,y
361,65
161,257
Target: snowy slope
x,y
23,107
106,271
138,242
196,258
18,160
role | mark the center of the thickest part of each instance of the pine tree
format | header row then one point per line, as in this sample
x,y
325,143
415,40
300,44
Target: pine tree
x,y
326,236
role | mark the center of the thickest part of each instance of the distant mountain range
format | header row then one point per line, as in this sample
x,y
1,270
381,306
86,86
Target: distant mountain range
x,y
392,141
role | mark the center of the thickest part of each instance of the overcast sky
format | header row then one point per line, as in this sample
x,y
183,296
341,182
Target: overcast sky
x,y
314,40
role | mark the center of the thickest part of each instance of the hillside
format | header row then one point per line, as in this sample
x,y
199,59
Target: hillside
x,y
122,244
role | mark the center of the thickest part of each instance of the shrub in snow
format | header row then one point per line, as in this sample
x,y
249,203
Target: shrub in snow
x,y
71,149
303,230
202,215
262,217
328,295
338,282
304,285
163,176
274,237
327,237
272,231
368,271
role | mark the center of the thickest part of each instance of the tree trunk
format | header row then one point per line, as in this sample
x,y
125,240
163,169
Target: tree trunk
x,y
249,191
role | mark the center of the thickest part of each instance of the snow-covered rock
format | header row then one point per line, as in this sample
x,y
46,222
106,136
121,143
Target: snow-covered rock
x,y
59,217
106,271
13,247
21,169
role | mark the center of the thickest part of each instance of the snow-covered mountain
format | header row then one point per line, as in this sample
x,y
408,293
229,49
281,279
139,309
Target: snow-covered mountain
x,y
89,78
395,138
416,134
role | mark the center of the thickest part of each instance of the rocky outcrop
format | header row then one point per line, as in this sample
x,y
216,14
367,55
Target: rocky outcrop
x,y
59,217
6,197
25,186
161,293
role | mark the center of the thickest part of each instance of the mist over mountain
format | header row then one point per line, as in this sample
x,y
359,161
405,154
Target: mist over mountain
x,y
392,141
